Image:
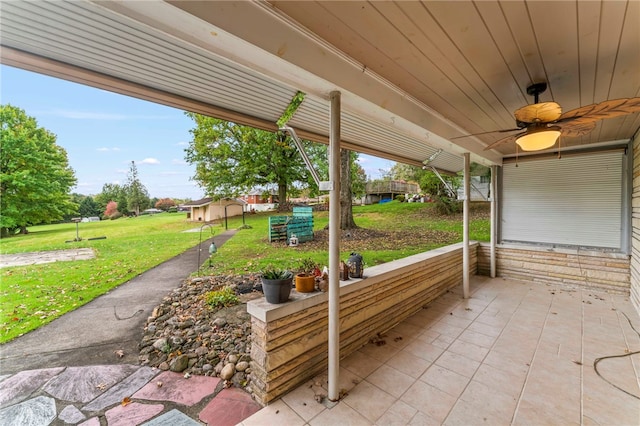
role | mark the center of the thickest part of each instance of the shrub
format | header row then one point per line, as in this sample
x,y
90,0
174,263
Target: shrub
x,y
221,298
446,205
116,215
112,208
400,198
165,204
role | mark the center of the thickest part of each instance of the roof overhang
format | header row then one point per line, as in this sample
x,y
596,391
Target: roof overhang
x,y
407,89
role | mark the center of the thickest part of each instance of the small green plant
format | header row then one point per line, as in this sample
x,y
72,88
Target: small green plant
x,y
221,298
273,273
307,266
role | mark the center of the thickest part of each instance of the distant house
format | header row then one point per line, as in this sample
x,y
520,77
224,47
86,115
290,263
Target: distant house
x,y
259,200
208,210
380,191
152,211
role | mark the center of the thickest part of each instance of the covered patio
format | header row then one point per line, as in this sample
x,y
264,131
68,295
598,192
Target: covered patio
x,y
513,353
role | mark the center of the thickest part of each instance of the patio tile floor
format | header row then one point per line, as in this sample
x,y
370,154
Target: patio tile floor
x,y
514,353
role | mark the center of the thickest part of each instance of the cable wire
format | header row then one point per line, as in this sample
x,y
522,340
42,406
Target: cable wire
x,y
597,360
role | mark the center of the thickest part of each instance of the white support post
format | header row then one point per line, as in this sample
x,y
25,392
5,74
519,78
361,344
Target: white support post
x,y
465,227
494,219
334,248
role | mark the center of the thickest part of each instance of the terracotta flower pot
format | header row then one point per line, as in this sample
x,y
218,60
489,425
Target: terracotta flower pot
x,y
305,283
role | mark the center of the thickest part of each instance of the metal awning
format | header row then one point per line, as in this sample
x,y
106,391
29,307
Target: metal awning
x,y
92,44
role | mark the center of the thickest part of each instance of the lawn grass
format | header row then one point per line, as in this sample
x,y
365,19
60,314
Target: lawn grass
x,y
34,295
31,296
249,250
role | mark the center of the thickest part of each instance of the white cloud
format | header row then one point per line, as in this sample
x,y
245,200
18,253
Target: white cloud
x,y
170,174
105,149
182,144
150,160
178,162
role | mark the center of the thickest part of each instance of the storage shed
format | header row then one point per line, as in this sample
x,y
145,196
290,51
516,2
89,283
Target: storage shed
x,y
210,210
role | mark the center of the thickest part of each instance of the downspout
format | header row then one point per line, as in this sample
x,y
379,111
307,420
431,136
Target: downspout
x,y
334,247
465,227
493,221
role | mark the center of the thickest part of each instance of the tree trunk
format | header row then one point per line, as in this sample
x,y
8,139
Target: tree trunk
x,y
283,206
346,210
23,230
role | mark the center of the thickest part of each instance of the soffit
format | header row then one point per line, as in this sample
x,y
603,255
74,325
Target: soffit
x,y
412,75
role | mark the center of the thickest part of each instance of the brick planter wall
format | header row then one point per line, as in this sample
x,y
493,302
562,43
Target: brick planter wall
x,y
289,341
584,268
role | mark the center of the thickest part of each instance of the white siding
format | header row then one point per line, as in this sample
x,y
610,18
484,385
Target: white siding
x,y
635,227
576,200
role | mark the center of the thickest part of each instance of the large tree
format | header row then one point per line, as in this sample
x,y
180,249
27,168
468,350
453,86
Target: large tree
x,y
88,207
137,196
110,192
35,176
231,159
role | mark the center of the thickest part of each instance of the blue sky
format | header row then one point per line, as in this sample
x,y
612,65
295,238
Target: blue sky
x,y
103,132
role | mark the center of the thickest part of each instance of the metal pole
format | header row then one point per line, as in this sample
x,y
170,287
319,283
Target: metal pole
x,y
493,221
302,152
465,227
334,247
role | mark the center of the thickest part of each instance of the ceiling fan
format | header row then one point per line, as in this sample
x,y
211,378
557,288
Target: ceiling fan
x,y
541,123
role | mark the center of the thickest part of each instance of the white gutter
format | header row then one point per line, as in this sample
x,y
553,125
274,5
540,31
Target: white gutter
x,y
334,247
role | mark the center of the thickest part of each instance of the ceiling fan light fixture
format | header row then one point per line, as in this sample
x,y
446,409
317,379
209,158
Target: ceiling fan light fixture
x,y
537,139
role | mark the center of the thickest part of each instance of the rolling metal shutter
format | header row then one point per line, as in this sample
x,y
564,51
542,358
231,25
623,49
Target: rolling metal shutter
x,y
575,200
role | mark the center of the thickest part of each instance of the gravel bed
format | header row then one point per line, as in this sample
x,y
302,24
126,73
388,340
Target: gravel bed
x,y
186,335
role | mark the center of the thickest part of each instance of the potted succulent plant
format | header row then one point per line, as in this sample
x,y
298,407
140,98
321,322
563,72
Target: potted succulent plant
x,y
276,284
306,276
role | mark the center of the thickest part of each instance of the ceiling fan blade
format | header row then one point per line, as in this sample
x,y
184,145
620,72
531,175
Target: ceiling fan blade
x,y
577,127
504,140
486,133
544,112
603,110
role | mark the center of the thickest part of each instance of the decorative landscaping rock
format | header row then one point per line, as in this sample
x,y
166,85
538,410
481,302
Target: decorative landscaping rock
x,y
180,364
228,371
185,335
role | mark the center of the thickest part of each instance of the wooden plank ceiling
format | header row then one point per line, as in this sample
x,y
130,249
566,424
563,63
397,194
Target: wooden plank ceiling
x,y
413,74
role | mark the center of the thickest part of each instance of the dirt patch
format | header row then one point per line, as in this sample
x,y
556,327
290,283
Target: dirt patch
x,y
370,239
39,257
361,239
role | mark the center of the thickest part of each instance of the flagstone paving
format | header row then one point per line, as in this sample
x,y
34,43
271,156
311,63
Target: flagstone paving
x,y
121,395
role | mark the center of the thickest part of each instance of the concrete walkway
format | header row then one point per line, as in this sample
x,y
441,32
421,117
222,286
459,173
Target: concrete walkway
x,y
79,368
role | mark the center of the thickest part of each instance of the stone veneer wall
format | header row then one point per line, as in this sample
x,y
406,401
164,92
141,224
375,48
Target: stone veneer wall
x,y
289,341
593,269
635,226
